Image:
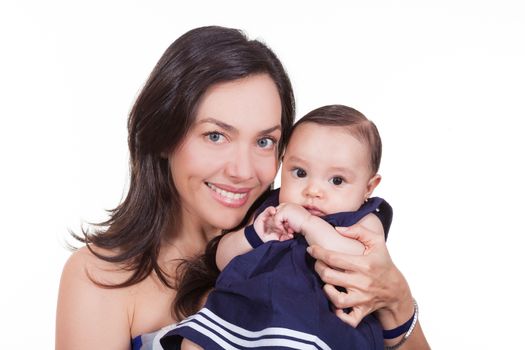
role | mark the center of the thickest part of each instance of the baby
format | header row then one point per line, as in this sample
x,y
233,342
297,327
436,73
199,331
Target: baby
x,y
268,293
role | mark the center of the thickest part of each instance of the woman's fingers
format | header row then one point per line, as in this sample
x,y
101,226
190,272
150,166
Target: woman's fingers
x,y
372,281
354,317
330,275
343,300
340,260
359,302
360,233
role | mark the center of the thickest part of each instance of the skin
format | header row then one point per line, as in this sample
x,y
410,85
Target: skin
x,y
89,316
230,156
363,274
325,170
373,282
228,146
363,266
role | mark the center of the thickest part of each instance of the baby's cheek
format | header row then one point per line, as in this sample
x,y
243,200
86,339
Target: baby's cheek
x,y
284,193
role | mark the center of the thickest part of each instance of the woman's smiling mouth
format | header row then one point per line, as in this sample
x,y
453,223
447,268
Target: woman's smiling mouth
x,y
229,196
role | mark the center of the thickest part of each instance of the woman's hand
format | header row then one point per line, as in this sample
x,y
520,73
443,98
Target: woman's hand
x,y
372,281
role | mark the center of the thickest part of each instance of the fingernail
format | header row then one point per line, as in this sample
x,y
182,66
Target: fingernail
x,y
309,250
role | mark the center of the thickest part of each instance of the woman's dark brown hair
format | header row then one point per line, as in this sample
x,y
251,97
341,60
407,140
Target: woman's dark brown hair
x,y
160,118
198,275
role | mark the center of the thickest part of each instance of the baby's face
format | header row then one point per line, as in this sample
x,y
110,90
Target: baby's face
x,y
325,169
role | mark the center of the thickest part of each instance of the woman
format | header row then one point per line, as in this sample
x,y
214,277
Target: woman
x,y
205,136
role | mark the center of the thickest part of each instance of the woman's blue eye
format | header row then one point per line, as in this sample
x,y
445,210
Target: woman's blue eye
x,y
215,137
265,142
299,172
337,180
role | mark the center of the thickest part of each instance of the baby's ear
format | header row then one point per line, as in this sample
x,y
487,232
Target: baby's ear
x,y
372,184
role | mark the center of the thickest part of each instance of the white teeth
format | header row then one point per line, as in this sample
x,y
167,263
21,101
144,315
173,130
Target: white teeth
x,y
229,196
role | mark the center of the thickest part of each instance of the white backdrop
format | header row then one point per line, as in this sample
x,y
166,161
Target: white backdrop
x,y
443,80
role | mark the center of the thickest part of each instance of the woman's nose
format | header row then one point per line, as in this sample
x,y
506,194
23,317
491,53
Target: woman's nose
x,y
240,167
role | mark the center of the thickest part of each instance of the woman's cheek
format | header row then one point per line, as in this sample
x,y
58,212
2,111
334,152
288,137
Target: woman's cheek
x,y
267,170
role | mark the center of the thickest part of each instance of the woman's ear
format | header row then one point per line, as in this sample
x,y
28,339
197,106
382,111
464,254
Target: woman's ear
x,y
372,184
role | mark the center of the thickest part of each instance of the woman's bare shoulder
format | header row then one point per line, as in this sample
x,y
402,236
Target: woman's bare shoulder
x,y
84,263
86,307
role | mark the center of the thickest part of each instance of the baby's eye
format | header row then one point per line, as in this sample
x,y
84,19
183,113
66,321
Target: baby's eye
x,y
215,137
337,180
266,142
298,172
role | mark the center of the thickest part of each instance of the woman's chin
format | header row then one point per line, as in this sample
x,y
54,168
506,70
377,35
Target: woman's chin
x,y
228,222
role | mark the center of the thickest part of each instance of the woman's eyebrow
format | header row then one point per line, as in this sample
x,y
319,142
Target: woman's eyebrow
x,y
231,128
223,125
270,130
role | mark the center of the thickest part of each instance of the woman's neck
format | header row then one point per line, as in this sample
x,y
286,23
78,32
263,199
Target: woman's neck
x,y
189,237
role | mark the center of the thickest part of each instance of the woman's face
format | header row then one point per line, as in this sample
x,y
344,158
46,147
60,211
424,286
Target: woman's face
x,y
229,156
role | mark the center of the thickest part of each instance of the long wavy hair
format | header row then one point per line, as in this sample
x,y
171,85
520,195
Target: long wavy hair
x,y
159,120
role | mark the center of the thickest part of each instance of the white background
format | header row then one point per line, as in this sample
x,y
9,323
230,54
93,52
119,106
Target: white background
x,y
443,80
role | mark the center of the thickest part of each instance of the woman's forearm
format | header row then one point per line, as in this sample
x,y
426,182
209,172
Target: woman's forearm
x,y
417,340
397,312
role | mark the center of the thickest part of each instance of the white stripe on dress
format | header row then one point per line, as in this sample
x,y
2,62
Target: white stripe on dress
x,y
226,329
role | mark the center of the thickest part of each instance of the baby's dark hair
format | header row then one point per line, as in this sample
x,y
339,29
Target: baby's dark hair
x,y
358,125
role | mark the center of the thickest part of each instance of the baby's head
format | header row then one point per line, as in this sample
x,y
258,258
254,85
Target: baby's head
x,y
330,164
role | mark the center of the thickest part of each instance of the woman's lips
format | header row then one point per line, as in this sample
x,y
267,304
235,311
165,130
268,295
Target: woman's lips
x,y
229,196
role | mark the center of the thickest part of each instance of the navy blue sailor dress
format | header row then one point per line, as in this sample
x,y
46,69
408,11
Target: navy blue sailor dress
x,y
272,298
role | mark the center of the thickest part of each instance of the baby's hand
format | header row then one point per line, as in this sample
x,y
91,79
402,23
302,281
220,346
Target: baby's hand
x,y
291,217
268,229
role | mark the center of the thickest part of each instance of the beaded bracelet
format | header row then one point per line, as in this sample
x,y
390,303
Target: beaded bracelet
x,y
408,332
